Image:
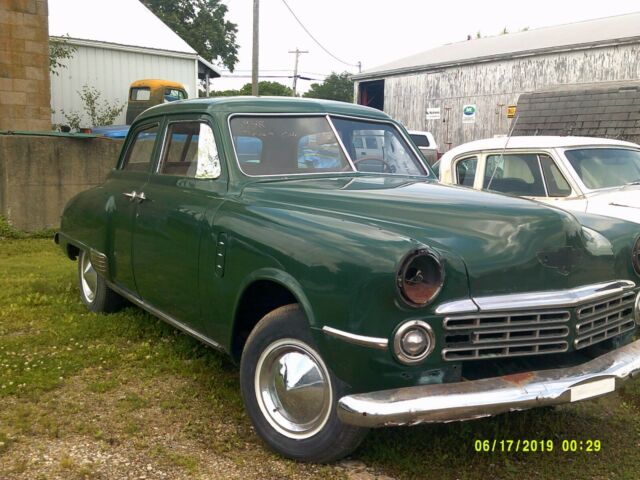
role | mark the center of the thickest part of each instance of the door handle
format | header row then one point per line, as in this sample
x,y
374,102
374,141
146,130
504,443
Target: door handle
x,y
132,195
141,197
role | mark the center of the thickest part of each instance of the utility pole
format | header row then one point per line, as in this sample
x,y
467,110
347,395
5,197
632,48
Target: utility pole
x,y
254,59
359,67
295,68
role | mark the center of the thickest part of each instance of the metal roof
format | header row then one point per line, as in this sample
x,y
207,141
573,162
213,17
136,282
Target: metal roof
x,y
532,142
116,22
601,31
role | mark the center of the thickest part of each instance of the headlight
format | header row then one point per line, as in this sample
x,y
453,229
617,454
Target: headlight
x,y
635,258
420,278
413,342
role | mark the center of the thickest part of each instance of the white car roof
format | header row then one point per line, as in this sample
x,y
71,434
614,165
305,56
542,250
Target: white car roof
x,y
533,142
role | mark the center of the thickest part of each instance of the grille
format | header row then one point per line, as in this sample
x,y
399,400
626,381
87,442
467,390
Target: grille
x,y
606,319
506,335
513,334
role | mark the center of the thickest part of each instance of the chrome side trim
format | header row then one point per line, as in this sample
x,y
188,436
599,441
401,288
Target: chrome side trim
x,y
100,262
457,306
467,400
545,299
166,318
373,342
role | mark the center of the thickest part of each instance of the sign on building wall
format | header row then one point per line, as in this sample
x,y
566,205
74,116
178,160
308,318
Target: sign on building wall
x,y
433,113
469,113
511,111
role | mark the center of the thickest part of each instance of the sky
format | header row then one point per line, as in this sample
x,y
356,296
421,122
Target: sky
x,y
376,32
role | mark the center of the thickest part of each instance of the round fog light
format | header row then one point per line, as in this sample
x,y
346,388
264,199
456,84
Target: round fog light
x,y
413,342
636,309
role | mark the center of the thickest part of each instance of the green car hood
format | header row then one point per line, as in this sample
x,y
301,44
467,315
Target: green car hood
x,y
508,244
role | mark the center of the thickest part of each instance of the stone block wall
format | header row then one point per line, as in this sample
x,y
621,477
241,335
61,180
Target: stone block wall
x,y
25,92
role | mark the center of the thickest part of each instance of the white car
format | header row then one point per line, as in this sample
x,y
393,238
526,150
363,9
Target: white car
x,y
593,175
426,144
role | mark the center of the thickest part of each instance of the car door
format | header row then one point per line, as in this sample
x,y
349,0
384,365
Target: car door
x,y
127,181
174,218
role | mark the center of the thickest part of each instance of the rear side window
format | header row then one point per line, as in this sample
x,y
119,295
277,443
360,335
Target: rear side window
x,y
173,94
140,94
190,151
139,154
419,140
466,171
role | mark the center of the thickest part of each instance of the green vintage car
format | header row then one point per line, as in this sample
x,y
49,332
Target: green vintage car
x,y
354,291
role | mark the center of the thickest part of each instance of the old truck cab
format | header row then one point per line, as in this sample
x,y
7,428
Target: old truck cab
x,y
147,93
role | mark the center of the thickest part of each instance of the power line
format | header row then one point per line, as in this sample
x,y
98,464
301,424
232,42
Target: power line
x,y
359,64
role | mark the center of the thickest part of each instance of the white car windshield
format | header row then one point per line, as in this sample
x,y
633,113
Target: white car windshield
x,y
605,167
286,145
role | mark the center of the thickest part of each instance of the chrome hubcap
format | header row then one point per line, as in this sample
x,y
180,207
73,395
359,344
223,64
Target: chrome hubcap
x,y
293,388
88,277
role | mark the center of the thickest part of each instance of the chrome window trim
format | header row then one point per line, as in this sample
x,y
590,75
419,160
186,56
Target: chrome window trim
x,y
538,300
416,154
372,342
165,132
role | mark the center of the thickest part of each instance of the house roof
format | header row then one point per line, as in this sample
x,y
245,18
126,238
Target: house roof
x,y
601,31
116,22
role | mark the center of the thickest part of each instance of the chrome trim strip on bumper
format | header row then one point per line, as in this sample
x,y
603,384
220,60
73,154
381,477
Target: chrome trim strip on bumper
x,y
544,299
373,342
491,396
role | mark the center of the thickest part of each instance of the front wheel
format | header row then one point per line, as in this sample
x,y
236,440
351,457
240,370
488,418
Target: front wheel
x,y
289,392
94,292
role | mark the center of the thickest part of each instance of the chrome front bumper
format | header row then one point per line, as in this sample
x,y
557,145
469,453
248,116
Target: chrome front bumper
x,y
491,396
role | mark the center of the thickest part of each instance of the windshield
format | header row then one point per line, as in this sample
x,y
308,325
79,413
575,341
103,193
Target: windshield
x,y
605,167
286,145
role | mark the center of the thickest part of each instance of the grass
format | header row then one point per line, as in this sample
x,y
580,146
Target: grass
x,y
85,395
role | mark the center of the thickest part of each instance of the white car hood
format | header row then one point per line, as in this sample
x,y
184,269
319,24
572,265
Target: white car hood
x,y
623,202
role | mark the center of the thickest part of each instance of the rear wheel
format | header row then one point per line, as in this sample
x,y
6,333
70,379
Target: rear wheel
x,y
94,292
289,392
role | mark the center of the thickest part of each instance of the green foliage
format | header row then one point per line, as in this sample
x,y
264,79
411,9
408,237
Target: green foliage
x,y
59,50
100,112
265,88
8,231
202,25
337,86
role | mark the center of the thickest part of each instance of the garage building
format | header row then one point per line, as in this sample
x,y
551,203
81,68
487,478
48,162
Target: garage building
x,y
117,42
468,87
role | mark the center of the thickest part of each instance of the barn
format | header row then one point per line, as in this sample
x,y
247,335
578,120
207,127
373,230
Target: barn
x,y
468,90
116,43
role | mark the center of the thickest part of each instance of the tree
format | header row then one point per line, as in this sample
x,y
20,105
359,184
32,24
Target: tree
x,y
202,25
273,89
59,49
335,87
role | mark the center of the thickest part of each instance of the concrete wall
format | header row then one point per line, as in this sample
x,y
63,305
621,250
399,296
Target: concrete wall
x,y
24,65
39,174
491,86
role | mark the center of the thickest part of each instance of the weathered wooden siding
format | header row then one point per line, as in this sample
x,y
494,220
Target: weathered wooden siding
x,y
491,86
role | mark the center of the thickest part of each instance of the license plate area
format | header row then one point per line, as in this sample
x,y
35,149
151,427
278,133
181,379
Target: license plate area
x,y
592,389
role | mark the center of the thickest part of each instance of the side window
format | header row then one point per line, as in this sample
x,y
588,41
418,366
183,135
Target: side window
x,y
557,186
190,151
466,171
514,174
140,94
139,155
419,139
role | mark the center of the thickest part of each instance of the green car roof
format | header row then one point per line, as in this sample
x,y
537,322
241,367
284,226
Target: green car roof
x,y
264,105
